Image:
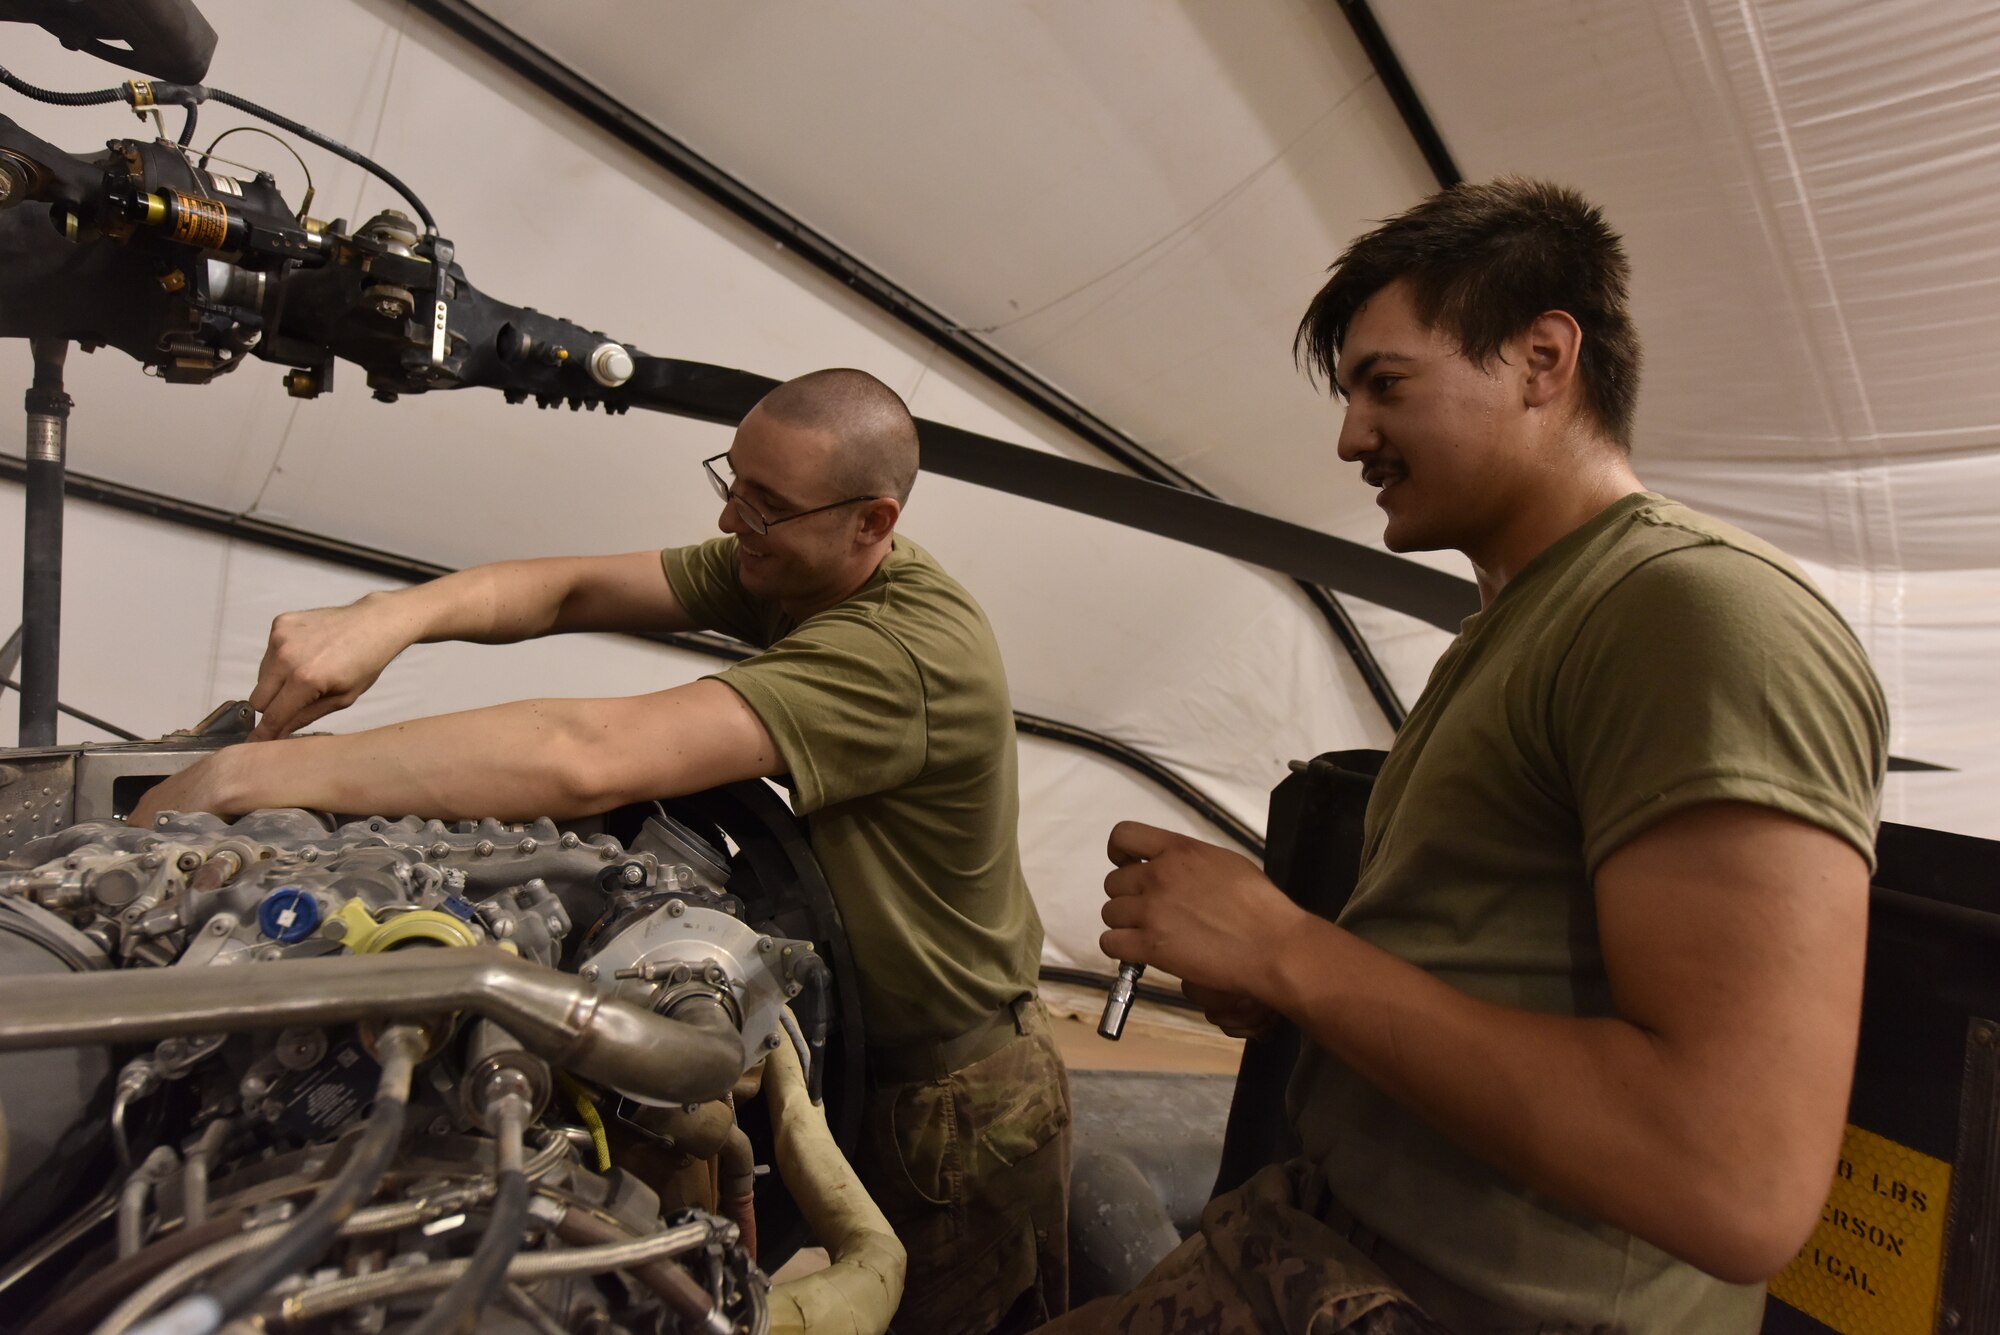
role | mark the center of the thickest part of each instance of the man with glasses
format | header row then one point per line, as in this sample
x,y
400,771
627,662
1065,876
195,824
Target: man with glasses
x,y
878,693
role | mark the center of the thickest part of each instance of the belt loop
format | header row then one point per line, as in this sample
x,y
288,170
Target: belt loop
x,y
1019,1006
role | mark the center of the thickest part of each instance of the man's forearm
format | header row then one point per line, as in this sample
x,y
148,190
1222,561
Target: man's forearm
x,y
556,758
508,762
1594,1112
501,603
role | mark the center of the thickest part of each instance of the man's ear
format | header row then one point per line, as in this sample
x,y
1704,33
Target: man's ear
x,y
878,519
1550,348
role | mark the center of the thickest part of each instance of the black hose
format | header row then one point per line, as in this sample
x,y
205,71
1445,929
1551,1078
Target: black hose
x,y
190,94
330,145
315,1228
457,1311
94,99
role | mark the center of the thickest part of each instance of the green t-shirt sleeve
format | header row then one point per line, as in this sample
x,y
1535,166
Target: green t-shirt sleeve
x,y
1710,675
703,577
844,702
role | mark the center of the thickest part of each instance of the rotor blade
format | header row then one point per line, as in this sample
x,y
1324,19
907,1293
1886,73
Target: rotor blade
x,y
721,394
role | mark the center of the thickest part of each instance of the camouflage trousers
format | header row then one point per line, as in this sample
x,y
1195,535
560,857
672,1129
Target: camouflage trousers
x,y
972,1171
1260,1265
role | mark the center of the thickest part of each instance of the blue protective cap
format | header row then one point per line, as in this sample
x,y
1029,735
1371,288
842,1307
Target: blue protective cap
x,y
459,908
288,915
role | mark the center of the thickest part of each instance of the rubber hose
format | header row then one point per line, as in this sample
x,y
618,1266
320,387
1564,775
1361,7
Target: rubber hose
x,y
457,1311
98,98
330,145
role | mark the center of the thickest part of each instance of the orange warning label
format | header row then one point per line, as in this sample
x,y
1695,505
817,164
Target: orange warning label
x,y
1873,1264
203,223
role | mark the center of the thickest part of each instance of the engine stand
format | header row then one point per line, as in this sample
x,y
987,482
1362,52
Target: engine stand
x,y
42,538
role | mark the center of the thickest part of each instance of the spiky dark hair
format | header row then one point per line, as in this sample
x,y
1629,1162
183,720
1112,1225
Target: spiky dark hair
x,y
1482,262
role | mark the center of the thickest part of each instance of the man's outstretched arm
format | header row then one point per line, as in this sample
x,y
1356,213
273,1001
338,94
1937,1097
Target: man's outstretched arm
x,y
1704,1117
557,758
321,660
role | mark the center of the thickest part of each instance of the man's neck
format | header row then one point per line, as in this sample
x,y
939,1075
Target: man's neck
x,y
839,590
1600,480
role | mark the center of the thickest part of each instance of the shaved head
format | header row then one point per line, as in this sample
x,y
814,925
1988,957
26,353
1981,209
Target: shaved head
x,y
876,439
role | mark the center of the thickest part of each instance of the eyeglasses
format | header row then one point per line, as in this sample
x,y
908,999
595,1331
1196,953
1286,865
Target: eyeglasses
x,y
750,514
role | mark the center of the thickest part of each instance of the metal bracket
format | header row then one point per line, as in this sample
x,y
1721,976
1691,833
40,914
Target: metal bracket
x,y
1969,1298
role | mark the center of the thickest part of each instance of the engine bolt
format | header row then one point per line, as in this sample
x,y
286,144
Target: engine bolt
x,y
771,1041
253,1085
272,1110
484,848
440,849
526,846
570,839
608,851
219,926
188,861
765,945
588,973
309,854
440,1125
791,989
676,907
557,926
151,862
634,874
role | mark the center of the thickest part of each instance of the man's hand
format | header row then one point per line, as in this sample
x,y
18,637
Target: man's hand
x,y
322,660
1233,1013
200,787
1195,910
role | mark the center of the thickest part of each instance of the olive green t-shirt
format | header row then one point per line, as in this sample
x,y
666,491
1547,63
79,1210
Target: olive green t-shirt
x,y
892,715
1650,661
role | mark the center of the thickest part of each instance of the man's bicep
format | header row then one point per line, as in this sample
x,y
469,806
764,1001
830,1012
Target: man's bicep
x,y
1731,917
683,740
625,592
1734,936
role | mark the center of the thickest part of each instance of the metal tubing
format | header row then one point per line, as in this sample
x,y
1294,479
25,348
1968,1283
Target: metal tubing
x,y
555,1015
41,544
636,1255
180,1273
194,1189
586,1232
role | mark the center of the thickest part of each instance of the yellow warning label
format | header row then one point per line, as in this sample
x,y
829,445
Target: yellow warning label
x,y
1873,1264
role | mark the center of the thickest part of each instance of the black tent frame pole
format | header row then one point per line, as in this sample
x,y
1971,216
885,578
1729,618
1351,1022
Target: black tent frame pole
x,y
629,127
1396,83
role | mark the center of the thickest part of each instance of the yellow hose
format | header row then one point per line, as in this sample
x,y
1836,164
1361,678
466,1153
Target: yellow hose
x,y
858,1293
587,1110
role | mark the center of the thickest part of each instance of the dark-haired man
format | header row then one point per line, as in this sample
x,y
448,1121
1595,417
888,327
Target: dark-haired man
x,y
878,693
1578,1049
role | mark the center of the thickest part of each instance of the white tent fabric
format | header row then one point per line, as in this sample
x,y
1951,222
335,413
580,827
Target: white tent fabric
x,y
1135,201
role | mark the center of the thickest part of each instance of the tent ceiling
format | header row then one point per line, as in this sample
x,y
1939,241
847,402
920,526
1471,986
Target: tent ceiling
x,y
1134,200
